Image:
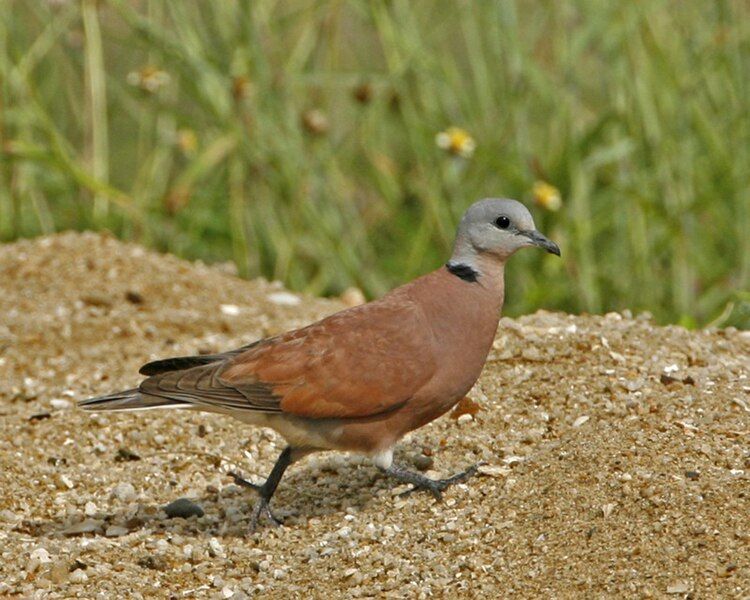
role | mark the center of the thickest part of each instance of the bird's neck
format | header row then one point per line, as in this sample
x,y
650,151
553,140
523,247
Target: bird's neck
x,y
484,270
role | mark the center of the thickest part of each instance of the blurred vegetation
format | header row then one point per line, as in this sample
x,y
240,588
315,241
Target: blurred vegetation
x,y
298,139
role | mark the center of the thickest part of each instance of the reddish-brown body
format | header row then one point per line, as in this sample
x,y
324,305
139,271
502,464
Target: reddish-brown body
x,y
361,378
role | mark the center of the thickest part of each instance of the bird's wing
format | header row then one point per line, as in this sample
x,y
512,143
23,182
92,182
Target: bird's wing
x,y
357,363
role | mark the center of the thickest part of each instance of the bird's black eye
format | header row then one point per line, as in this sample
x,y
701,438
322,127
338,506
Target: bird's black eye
x,y
502,222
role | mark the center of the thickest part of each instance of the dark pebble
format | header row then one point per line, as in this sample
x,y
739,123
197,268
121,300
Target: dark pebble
x,y
77,564
667,379
156,563
99,300
182,507
40,416
422,462
125,455
133,297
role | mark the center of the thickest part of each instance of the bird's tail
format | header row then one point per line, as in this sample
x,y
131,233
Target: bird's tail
x,y
131,399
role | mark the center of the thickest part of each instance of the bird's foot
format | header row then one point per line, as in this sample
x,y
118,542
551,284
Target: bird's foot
x,y
262,505
434,486
262,508
437,486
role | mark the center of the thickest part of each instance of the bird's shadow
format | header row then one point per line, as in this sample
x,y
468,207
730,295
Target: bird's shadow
x,y
306,492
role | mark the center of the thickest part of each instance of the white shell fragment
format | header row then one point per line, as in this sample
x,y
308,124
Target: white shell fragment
x,y
284,299
60,403
493,470
231,310
678,587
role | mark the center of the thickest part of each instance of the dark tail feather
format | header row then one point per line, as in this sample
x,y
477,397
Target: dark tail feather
x,y
178,363
129,400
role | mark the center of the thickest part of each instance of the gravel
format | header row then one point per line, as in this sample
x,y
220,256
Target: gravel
x,y
616,454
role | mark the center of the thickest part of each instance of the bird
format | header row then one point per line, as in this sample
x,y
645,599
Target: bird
x,y
362,378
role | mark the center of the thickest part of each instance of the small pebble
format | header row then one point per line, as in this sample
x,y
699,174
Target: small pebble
x,y
78,576
580,420
124,491
37,559
422,462
41,555
184,508
63,482
215,546
678,587
87,526
116,531
59,572
8,516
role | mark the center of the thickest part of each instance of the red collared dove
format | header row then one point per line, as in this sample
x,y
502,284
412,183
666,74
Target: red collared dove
x,y
362,378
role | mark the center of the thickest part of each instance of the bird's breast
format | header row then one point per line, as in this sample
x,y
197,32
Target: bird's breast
x,y
463,318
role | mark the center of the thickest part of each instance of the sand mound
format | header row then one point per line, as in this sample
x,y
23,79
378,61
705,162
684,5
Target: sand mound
x,y
618,454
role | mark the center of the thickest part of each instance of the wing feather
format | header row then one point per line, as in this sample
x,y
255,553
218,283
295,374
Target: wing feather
x,y
356,363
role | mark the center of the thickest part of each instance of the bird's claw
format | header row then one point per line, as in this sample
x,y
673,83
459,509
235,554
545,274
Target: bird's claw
x,y
262,508
262,505
437,486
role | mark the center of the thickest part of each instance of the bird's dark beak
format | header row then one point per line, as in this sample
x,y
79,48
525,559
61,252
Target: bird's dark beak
x,y
539,240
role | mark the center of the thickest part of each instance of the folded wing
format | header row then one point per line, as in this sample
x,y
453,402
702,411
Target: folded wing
x,y
356,363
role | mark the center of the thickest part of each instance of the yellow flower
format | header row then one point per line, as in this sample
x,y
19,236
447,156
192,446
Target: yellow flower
x,y
456,141
547,196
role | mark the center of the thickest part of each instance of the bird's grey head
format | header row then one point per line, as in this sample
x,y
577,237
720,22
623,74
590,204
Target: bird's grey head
x,y
495,228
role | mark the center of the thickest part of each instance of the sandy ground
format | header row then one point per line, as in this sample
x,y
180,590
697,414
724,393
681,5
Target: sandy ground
x,y
618,452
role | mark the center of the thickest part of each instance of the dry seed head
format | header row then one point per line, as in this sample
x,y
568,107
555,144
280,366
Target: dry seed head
x,y
148,78
315,121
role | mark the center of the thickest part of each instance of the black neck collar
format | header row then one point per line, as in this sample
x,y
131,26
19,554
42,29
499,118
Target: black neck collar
x,y
463,271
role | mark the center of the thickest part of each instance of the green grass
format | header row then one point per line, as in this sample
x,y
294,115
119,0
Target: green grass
x,y
639,112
